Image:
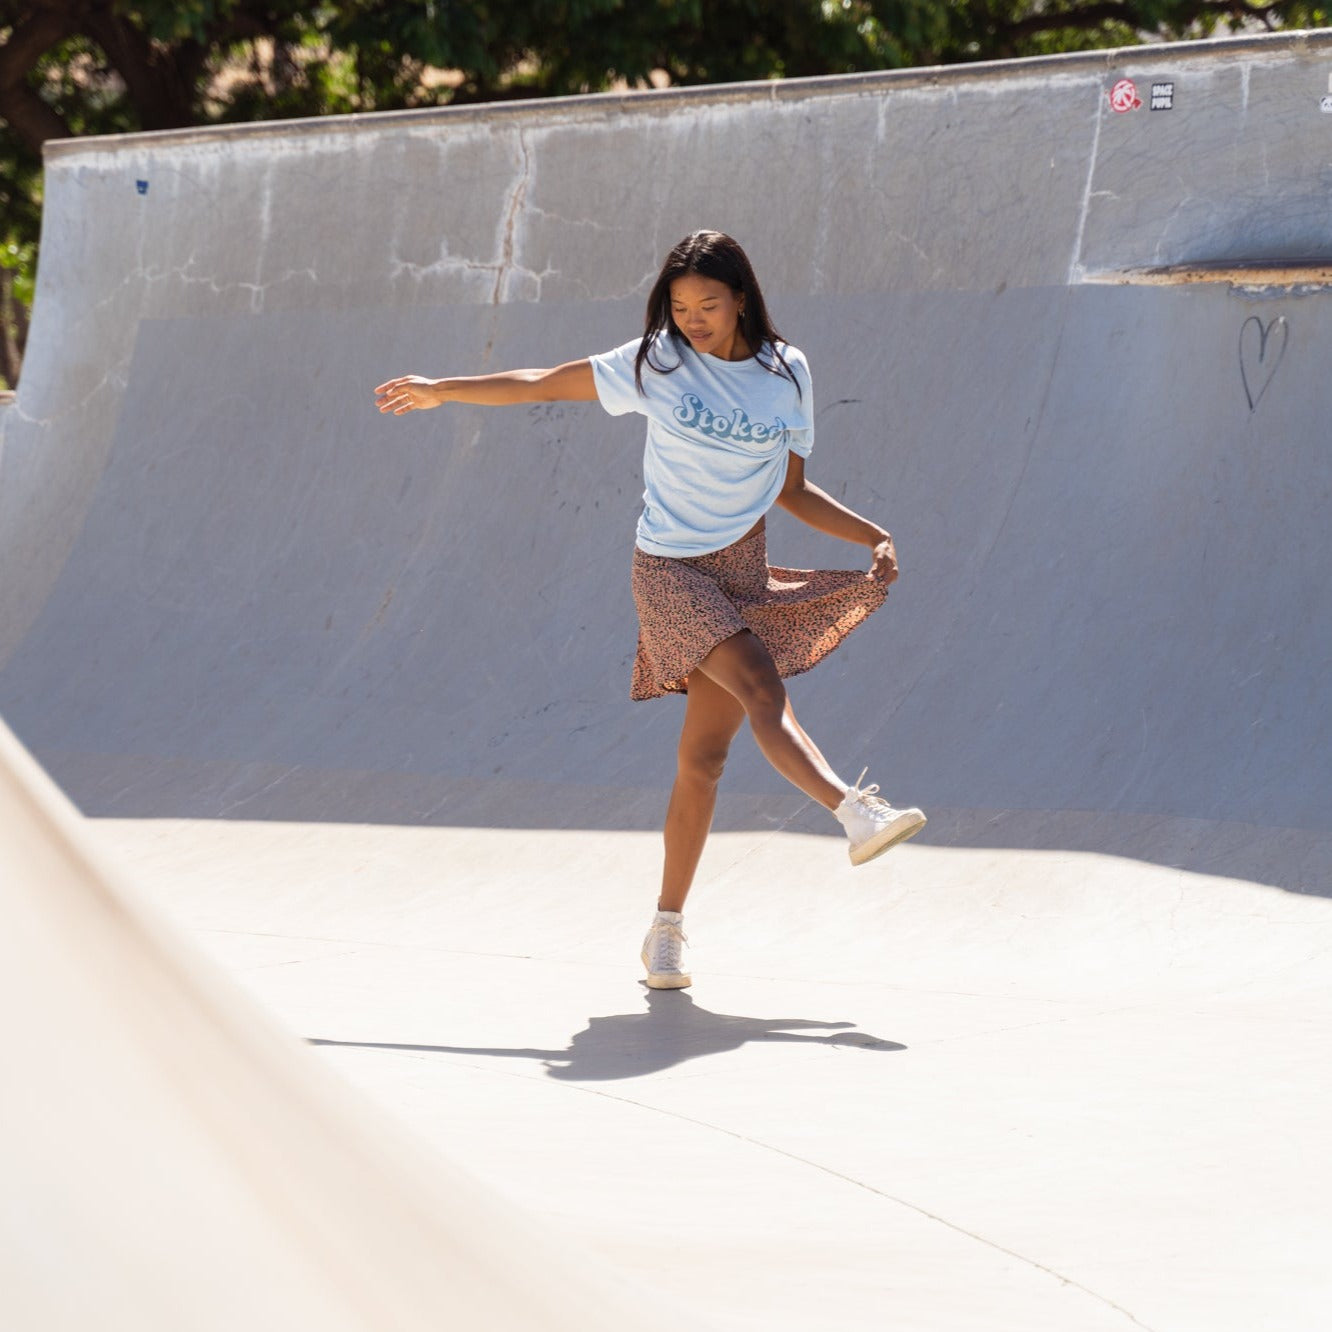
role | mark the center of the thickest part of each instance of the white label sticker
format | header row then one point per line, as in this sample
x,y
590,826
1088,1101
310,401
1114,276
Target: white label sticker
x,y
1325,104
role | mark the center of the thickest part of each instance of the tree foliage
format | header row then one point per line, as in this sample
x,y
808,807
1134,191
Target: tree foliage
x,y
73,67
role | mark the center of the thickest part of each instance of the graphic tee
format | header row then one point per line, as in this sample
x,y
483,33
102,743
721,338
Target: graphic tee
x,y
718,433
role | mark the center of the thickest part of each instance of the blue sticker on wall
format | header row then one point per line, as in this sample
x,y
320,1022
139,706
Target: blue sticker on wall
x,y
141,186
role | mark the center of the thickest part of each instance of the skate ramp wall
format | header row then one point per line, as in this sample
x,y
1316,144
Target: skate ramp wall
x,y
235,591
175,1160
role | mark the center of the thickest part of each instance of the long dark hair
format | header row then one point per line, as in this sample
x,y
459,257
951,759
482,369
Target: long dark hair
x,y
711,254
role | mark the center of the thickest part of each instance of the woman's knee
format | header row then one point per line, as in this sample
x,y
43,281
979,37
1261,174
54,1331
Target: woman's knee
x,y
762,694
702,761
742,665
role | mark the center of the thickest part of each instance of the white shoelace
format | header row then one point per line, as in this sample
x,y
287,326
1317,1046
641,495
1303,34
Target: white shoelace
x,y
665,951
868,795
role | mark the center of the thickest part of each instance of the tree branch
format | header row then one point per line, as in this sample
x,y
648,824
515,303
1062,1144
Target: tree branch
x,y
153,79
31,119
11,357
1118,11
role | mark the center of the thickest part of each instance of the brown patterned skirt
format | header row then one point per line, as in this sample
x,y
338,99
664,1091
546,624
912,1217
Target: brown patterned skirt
x,y
687,606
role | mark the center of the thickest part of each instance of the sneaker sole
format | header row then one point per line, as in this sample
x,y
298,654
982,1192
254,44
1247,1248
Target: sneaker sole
x,y
908,825
664,980
668,981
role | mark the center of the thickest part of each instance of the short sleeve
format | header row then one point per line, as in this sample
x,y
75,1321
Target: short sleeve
x,y
613,373
801,441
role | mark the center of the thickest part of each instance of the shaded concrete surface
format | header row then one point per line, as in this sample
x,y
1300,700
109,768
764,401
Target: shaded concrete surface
x,y
347,697
172,1160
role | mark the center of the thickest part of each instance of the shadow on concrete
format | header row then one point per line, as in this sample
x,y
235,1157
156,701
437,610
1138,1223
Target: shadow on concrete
x,y
1190,835
673,1030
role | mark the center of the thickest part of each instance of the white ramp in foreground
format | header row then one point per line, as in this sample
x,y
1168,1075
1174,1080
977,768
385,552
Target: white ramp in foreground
x,y
172,1161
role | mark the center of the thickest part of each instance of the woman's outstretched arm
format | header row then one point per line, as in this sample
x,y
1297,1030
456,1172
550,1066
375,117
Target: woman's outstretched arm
x,y
802,499
570,382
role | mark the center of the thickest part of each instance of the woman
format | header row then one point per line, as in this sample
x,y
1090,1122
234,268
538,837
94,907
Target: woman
x,y
729,426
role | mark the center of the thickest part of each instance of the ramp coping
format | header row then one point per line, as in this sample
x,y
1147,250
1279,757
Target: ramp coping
x,y
1067,64
1245,273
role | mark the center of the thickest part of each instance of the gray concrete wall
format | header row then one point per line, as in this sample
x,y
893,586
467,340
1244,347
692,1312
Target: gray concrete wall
x,y
241,592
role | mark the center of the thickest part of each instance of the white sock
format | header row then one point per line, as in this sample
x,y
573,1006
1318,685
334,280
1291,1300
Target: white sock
x,y
670,917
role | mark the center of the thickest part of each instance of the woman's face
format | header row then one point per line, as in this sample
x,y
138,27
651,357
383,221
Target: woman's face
x,y
708,312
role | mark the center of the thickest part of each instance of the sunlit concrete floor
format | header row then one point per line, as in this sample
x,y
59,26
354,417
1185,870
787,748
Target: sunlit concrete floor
x,y
955,1089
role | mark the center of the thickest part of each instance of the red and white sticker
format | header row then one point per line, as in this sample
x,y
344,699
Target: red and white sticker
x,y
1124,96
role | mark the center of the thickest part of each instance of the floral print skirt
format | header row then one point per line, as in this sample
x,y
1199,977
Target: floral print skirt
x,y
687,606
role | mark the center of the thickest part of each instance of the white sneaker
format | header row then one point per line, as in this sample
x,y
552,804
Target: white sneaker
x,y
872,824
662,951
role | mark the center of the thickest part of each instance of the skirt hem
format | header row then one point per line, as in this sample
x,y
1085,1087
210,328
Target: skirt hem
x,y
686,607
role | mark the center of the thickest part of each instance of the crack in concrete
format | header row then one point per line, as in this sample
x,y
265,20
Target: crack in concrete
x,y
906,1203
116,382
506,264
888,1197
244,800
1075,269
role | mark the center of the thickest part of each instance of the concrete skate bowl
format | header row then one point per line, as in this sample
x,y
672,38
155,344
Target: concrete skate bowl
x,y
317,673
237,592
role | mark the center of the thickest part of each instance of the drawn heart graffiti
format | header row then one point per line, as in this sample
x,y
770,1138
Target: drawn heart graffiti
x,y
1261,347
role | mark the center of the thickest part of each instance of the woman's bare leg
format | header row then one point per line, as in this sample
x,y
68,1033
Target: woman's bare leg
x,y
712,717
742,666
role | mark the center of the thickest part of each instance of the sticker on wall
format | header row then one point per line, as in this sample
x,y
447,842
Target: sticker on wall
x,y
1163,97
141,186
1124,96
1325,104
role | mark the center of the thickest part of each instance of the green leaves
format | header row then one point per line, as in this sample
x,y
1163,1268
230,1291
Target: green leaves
x,y
20,258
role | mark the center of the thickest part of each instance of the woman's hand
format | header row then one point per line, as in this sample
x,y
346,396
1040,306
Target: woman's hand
x,y
884,568
408,393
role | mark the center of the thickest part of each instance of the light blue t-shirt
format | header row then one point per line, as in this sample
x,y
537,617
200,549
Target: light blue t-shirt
x,y
718,433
